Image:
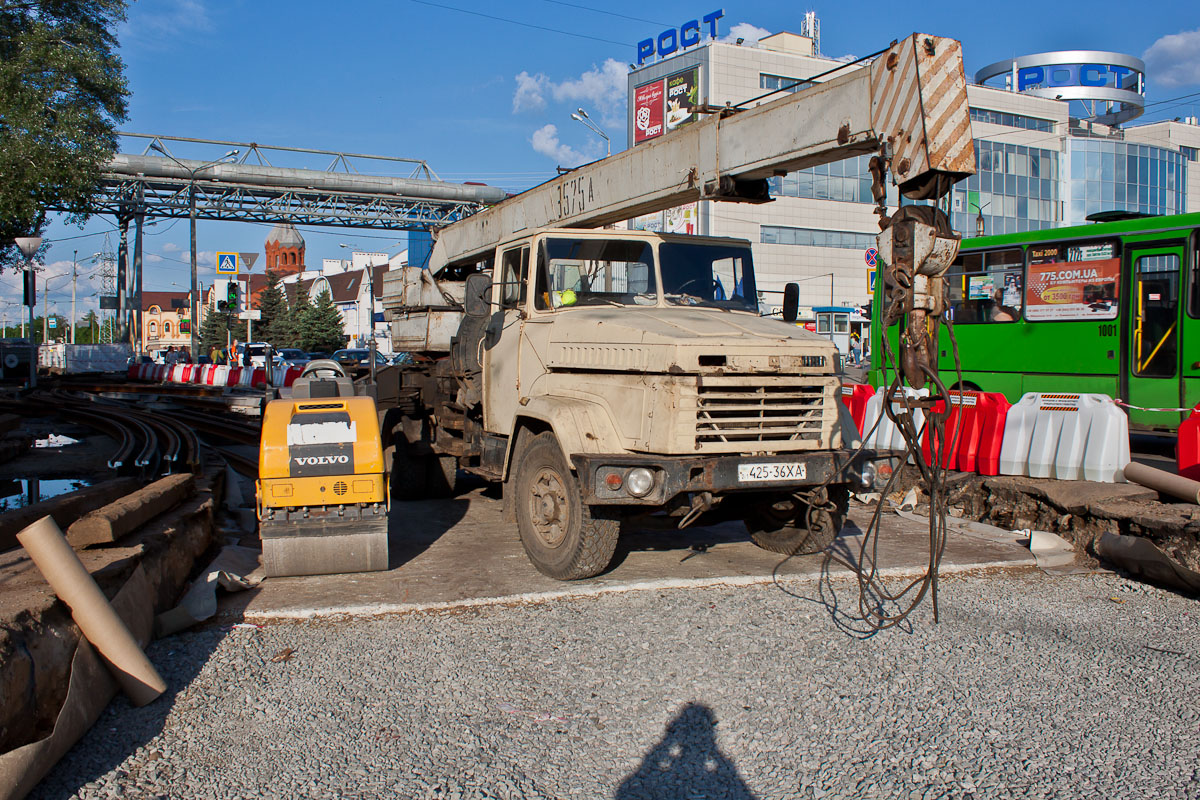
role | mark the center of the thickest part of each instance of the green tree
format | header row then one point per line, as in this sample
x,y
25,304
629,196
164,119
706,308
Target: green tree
x,y
276,324
62,92
298,315
322,325
215,331
87,328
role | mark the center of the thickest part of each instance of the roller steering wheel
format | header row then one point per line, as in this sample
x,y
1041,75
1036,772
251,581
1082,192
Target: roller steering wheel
x,y
322,365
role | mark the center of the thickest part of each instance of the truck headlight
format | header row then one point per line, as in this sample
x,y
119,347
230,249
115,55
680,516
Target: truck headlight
x,y
639,482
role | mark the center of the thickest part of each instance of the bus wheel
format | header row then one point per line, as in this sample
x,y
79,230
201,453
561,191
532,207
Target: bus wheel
x,y
965,386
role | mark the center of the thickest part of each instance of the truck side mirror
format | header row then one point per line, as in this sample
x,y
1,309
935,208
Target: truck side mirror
x,y
791,302
476,300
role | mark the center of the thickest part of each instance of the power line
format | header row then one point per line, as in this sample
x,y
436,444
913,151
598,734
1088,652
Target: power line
x,y
522,24
609,13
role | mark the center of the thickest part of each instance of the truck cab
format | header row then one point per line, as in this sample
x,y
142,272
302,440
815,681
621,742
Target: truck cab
x,y
603,373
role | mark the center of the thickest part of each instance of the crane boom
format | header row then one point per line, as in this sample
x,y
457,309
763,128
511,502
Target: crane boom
x,y
909,105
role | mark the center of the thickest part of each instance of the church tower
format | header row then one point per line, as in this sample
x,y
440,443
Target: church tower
x,y
285,250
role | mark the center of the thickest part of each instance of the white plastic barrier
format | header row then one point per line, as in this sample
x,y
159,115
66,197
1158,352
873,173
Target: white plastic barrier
x,y
176,375
1066,436
220,376
886,435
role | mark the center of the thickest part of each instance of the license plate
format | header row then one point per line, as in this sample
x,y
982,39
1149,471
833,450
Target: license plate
x,y
771,471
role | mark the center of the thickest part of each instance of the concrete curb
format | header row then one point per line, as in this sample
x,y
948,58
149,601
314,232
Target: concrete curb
x,y
532,598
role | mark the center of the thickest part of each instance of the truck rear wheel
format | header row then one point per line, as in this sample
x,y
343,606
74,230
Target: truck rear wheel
x,y
564,538
790,525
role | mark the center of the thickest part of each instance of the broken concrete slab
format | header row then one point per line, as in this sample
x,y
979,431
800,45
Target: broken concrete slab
x,y
109,523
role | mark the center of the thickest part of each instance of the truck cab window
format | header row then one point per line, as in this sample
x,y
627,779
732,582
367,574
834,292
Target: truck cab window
x,y
986,287
590,272
514,268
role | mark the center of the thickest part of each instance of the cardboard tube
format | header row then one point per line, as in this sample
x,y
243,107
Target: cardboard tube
x,y
73,584
1165,482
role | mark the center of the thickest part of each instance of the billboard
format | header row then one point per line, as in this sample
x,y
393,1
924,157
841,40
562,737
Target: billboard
x,y
648,111
682,97
1072,282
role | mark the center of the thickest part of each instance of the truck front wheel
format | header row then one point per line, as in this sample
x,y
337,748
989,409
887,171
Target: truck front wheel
x,y
797,524
564,538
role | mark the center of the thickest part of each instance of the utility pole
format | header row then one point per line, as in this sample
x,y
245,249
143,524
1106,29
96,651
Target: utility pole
x,y
29,245
74,277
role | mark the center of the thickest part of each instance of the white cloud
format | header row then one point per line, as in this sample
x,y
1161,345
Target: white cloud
x,y
600,89
530,94
744,30
1174,60
545,141
154,258
171,247
155,26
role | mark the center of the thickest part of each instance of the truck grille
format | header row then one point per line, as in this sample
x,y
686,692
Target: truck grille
x,y
742,410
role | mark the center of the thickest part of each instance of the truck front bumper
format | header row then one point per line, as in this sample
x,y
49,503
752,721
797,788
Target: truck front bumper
x,y
608,479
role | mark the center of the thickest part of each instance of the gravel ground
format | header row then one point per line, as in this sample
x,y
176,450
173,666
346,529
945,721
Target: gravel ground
x,y
1030,687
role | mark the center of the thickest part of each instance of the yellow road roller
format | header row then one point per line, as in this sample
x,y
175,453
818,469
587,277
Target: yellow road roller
x,y
322,485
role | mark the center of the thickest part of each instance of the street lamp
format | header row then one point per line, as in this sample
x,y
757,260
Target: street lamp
x,y
978,219
29,245
192,311
582,116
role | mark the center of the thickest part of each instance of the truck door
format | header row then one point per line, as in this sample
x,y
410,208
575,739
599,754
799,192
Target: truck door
x,y
502,342
1154,336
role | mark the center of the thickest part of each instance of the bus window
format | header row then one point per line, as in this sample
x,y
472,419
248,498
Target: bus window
x,y
986,287
1073,281
1157,299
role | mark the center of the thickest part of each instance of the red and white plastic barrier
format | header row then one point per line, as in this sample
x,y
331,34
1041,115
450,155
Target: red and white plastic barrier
x,y
974,432
855,397
1066,436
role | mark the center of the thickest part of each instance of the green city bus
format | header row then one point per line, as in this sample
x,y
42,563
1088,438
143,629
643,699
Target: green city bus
x,y
1110,308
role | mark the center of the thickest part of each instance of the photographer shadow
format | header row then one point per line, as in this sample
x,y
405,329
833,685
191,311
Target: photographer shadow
x,y
686,763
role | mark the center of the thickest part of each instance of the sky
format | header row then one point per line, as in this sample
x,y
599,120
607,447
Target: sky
x,y
483,91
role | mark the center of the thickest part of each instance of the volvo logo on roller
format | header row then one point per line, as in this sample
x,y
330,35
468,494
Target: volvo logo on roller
x,y
312,461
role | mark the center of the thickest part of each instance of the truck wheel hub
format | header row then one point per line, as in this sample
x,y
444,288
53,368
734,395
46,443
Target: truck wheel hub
x,y
548,502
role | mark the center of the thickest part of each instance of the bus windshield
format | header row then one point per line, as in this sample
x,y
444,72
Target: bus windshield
x,y
720,276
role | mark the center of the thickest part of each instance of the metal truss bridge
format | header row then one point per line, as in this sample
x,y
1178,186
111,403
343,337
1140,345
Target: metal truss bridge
x,y
244,185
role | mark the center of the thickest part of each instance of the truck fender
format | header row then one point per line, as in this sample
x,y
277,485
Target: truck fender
x,y
579,425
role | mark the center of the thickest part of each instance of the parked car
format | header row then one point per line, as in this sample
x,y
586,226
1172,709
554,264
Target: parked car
x,y
258,353
204,360
359,358
316,356
402,358
291,357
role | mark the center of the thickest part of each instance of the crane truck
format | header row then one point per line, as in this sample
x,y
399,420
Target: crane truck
x,y
597,373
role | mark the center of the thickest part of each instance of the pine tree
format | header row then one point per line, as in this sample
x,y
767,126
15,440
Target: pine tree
x,y
275,325
322,326
297,317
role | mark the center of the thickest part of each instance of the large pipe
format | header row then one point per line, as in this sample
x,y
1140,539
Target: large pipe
x,y
90,609
289,178
1165,482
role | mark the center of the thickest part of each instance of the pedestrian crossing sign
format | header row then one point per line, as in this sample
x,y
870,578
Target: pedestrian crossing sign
x,y
227,263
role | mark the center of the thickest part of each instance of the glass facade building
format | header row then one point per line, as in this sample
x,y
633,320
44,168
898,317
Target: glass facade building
x,y
1110,175
1015,188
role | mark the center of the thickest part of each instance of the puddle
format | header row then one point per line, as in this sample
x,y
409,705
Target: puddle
x,y
27,491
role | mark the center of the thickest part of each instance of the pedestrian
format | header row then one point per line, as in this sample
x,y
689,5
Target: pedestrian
x,y
171,357
855,349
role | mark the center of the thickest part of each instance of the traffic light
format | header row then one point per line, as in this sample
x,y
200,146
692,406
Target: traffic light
x,y
231,295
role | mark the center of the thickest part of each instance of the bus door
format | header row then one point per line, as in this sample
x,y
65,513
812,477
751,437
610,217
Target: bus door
x,y
1152,372
1190,331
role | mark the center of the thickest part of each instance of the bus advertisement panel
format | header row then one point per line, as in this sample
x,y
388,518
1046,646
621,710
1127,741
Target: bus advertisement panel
x,y
1072,282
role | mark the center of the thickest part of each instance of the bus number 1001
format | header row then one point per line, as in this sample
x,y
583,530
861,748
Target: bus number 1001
x,y
1107,330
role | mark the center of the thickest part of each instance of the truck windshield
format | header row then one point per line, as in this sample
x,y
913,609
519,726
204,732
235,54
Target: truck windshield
x,y
590,272
713,275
